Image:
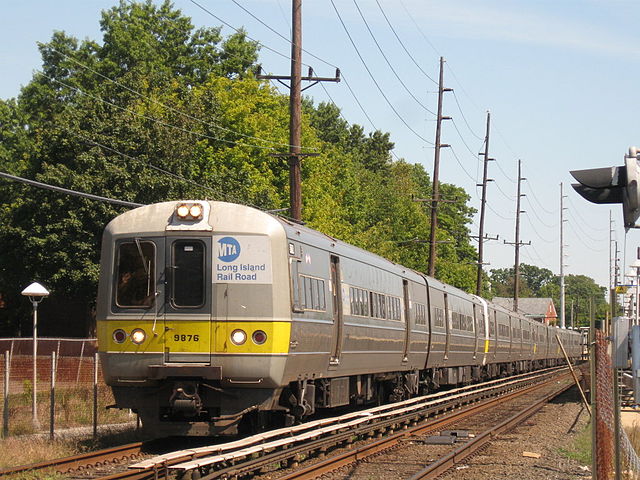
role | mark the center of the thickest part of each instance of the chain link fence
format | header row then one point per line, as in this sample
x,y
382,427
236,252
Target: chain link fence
x,y
70,390
605,419
74,362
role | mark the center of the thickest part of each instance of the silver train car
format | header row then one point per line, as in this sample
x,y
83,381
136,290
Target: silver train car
x,y
215,318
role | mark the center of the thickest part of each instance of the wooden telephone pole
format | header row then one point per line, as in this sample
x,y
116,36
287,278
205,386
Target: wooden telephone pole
x,y
295,109
517,243
436,172
481,235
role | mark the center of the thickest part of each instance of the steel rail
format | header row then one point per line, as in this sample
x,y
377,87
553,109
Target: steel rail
x,y
81,461
464,451
342,460
293,453
433,404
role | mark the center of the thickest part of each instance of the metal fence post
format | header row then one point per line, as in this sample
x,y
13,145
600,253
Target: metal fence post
x,y
80,363
52,402
95,395
5,414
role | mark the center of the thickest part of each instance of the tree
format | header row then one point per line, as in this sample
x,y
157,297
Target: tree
x,y
106,119
161,111
580,291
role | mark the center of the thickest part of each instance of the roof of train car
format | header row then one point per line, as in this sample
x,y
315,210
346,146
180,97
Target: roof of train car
x,y
314,237
136,217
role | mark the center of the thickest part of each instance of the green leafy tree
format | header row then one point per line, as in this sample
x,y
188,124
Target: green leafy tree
x,y
160,110
580,291
107,119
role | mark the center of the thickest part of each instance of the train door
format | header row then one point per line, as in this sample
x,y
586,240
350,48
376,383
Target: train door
x,y
447,323
187,300
407,321
476,328
336,295
494,327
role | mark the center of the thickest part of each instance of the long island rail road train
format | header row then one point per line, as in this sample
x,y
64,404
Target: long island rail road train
x,y
216,318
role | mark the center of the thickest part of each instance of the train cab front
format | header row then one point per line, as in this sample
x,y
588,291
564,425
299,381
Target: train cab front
x,y
192,334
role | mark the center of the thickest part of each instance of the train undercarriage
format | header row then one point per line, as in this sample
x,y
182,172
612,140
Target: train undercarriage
x,y
198,407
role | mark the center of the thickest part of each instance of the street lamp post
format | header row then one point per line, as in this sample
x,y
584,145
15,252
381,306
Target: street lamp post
x,y
36,294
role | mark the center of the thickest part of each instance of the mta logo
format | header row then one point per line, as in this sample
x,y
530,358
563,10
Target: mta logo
x,y
228,249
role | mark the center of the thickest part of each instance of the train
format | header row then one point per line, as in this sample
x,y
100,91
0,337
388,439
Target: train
x,y
216,318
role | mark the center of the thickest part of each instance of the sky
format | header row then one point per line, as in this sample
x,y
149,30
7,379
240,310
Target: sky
x,y
559,78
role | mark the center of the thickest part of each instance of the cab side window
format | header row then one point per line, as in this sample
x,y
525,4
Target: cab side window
x,y
135,274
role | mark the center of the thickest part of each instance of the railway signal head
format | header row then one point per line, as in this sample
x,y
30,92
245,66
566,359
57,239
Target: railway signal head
x,y
614,185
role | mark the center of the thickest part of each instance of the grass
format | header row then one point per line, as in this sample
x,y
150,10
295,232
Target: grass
x,y
23,451
580,448
634,436
73,408
28,449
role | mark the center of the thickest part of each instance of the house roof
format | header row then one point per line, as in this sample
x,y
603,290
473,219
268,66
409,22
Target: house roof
x,y
538,307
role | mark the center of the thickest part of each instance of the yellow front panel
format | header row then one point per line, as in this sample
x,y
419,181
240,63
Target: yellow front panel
x,y
193,337
187,336
278,337
152,344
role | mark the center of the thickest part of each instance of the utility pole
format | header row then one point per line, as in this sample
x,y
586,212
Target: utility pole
x,y
481,236
573,323
295,112
295,109
517,243
562,286
612,270
436,172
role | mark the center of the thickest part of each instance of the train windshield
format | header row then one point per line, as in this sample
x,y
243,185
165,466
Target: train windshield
x,y
136,274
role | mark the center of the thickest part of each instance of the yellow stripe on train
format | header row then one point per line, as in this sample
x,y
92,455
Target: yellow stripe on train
x,y
189,336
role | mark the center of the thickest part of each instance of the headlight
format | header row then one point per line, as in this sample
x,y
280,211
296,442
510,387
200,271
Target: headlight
x,y
182,211
196,210
259,337
189,211
238,337
138,336
119,336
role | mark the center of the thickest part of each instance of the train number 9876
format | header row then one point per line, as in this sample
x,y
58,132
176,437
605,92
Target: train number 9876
x,y
186,338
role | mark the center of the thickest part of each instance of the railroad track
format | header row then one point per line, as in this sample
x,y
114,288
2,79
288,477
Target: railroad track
x,y
383,428
85,461
449,456
288,447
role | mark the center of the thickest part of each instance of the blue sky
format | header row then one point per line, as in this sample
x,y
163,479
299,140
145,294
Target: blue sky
x,y
559,77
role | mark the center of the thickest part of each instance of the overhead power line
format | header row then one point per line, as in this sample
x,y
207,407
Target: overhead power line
x,y
386,59
153,119
168,107
148,164
403,46
406,124
237,30
255,17
453,152
46,186
469,149
462,113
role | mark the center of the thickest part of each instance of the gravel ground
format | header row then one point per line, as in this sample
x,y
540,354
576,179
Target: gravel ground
x,y
552,428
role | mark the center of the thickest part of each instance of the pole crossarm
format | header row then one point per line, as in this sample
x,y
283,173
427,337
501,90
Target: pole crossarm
x,y
295,107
